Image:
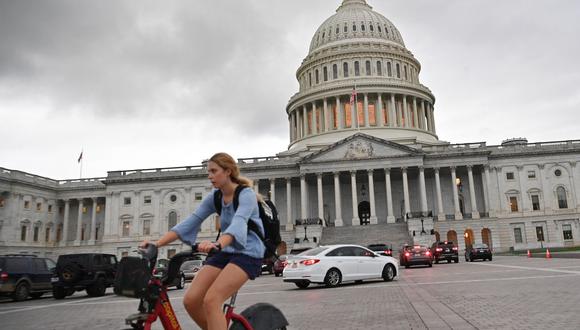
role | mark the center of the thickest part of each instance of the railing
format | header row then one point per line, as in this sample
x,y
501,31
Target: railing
x,y
155,170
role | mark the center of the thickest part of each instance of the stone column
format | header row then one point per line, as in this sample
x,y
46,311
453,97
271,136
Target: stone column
x,y
500,192
393,112
354,114
399,116
257,186
415,119
314,119
433,119
546,189
490,208
406,112
573,185
55,223
337,201
93,232
320,199
304,121
339,113
66,221
422,119
523,194
355,219
303,197
135,229
289,220
373,220
406,194
423,190
326,120
290,123
366,110
390,216
78,237
379,108
474,211
440,211
273,190
458,215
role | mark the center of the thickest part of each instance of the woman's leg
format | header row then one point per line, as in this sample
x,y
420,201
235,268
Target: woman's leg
x,y
193,299
230,280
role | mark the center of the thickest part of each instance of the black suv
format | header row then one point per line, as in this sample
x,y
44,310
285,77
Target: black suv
x,y
25,275
94,272
445,250
382,249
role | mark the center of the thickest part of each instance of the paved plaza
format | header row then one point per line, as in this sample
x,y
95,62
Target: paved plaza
x,y
508,293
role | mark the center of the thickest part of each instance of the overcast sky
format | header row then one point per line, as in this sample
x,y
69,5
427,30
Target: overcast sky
x,y
146,84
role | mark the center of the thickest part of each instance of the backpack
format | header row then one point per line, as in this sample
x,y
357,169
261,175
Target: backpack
x,y
268,215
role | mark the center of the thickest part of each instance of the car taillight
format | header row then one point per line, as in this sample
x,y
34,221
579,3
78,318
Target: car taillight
x,y
4,276
455,248
387,252
407,254
284,263
310,262
427,253
438,249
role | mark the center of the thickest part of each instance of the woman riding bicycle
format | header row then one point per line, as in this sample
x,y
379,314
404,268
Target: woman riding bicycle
x,y
241,250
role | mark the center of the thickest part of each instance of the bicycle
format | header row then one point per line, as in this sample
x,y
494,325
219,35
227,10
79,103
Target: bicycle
x,y
136,279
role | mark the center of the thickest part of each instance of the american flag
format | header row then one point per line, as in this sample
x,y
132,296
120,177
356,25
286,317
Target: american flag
x,y
353,96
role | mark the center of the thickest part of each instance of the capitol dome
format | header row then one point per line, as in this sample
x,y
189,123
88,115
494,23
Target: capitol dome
x,y
357,56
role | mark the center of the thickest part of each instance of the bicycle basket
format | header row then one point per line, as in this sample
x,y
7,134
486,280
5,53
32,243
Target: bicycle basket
x,y
133,275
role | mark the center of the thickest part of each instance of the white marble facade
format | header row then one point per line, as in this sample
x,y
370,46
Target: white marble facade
x,y
388,162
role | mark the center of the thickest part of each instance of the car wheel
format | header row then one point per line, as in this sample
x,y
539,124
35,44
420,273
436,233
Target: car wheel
x,y
490,258
302,284
430,264
98,289
21,293
58,292
36,295
388,273
332,278
181,282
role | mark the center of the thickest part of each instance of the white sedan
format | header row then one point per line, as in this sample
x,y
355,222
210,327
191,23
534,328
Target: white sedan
x,y
334,264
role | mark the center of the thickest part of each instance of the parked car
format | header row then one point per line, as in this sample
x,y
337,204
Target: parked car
x,y
280,264
93,272
22,276
478,251
268,265
445,250
335,264
415,255
189,269
382,249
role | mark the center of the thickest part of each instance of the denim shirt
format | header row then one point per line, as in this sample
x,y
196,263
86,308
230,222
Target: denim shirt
x,y
232,222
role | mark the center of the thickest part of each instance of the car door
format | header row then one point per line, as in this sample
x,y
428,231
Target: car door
x,y
42,275
344,259
368,265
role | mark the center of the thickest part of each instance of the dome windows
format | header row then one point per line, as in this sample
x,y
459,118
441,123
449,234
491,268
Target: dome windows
x,y
405,71
325,73
368,68
371,28
345,28
379,28
310,78
389,69
398,70
316,74
362,27
379,68
356,68
337,30
345,69
353,27
334,71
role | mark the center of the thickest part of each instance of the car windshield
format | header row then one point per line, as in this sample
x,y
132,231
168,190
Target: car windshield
x,y
314,251
419,249
378,247
480,246
191,264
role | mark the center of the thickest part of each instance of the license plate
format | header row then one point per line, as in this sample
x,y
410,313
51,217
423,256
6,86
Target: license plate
x,y
54,279
446,250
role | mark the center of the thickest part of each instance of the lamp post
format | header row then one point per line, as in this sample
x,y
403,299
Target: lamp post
x,y
423,232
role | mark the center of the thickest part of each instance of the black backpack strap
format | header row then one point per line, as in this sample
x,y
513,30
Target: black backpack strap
x,y
217,203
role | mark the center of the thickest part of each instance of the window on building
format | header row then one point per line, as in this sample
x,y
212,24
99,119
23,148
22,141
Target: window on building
x,y
49,208
124,254
146,199
354,27
198,196
379,28
146,227
59,233
371,27
379,68
562,199
316,74
531,174
518,235
127,200
356,68
389,69
83,233
99,207
85,209
47,235
36,233
362,27
398,69
405,71
345,69
171,220
97,229
23,230
38,206
173,198
557,172
325,73
514,204
310,79
126,228
535,202
567,231
540,233
368,68
337,30
26,204
509,175
345,28
60,210
334,71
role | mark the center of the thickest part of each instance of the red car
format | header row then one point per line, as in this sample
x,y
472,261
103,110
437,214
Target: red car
x,y
279,265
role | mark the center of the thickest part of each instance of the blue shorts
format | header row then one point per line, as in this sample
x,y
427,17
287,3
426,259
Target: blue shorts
x,y
252,266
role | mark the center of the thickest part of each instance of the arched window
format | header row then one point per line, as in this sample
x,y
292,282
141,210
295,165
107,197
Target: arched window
x,y
353,27
371,27
337,30
325,74
389,70
379,27
368,68
362,27
334,71
323,34
345,69
405,67
23,230
562,200
310,78
356,69
316,73
172,220
398,69
345,28
379,68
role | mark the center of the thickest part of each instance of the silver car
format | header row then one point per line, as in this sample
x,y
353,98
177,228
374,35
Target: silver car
x,y
190,268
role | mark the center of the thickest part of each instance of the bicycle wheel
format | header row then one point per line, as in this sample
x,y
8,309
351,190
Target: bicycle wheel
x,y
262,316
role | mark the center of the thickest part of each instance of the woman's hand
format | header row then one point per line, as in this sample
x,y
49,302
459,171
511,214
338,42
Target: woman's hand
x,y
144,244
206,246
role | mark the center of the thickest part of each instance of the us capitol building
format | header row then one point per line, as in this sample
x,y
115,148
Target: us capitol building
x,y
355,164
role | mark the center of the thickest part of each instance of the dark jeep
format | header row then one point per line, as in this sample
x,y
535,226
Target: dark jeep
x,y
94,272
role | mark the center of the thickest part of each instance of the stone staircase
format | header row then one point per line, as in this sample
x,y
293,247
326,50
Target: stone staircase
x,y
392,233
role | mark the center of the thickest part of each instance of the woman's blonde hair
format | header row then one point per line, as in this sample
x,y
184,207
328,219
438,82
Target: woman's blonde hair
x,y
227,162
